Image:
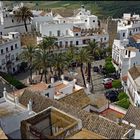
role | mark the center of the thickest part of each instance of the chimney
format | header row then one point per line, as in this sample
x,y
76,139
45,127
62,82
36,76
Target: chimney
x,y
4,92
30,106
75,80
88,88
62,77
52,81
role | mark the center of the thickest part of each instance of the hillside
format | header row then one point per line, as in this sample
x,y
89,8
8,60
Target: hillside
x,y
99,8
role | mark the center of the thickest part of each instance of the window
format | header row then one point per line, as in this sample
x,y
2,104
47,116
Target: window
x,y
12,57
136,29
76,34
71,43
15,46
66,43
50,33
3,61
105,38
11,47
77,42
101,39
126,52
58,33
47,94
1,51
6,49
123,34
129,54
0,33
60,43
84,41
12,21
63,21
85,20
93,20
80,13
130,33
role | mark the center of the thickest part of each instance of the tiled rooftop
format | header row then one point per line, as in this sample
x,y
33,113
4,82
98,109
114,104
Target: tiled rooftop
x,y
133,116
135,72
85,134
90,121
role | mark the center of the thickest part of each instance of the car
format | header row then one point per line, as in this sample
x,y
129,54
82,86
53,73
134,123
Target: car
x,y
95,69
112,95
108,85
107,80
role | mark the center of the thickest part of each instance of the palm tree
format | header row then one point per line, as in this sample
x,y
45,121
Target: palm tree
x,y
59,62
82,57
48,43
28,55
92,48
41,62
23,14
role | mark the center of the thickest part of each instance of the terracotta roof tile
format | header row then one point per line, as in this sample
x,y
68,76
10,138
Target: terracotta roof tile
x,y
90,121
136,37
74,98
133,115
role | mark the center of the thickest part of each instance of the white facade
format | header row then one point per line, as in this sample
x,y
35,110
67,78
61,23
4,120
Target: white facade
x,y
10,49
127,26
134,88
69,30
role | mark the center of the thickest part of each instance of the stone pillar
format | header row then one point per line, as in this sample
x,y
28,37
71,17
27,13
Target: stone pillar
x,y
16,100
4,92
52,82
62,77
30,105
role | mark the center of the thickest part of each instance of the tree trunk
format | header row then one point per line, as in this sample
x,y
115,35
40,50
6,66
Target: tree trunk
x,y
51,70
30,76
25,24
41,76
45,76
59,73
89,73
81,67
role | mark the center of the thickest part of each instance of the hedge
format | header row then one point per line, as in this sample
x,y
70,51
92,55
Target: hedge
x,y
116,84
122,95
124,103
12,80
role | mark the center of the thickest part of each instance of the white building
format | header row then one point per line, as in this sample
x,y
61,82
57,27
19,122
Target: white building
x,y
128,33
128,25
9,22
10,49
133,84
76,30
12,113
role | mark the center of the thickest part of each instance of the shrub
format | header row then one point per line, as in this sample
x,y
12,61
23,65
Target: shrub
x,y
122,95
12,80
108,59
109,67
124,103
116,84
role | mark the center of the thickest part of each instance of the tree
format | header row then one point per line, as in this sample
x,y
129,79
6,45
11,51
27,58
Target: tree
x,y
59,62
41,62
48,43
82,57
28,55
92,48
23,14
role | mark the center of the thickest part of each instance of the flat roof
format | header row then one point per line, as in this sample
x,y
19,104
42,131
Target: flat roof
x,y
112,114
7,109
86,134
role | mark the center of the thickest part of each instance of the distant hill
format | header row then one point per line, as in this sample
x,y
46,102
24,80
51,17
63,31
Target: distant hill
x,y
99,8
